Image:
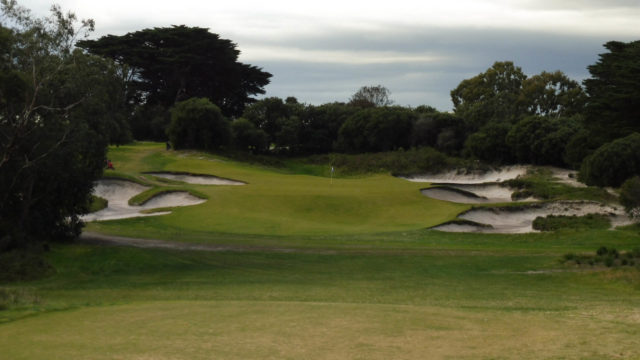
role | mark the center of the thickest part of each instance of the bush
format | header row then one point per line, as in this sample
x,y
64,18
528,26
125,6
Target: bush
x,y
246,136
198,124
490,144
630,196
589,221
613,163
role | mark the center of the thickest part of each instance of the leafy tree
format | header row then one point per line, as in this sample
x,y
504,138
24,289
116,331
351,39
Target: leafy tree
x,y
59,108
612,163
376,129
490,144
613,110
490,96
630,196
443,131
579,146
552,94
246,136
267,113
198,124
371,96
320,126
168,65
541,140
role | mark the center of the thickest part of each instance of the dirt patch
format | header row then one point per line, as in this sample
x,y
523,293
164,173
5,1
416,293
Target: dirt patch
x,y
198,179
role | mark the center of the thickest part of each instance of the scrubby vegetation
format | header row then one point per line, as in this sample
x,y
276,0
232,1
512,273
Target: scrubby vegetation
x,y
539,184
563,222
609,257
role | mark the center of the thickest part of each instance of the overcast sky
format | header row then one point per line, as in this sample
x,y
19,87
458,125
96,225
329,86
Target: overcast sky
x,y
323,51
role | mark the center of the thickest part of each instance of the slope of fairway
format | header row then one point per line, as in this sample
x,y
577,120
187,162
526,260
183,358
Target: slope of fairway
x,y
275,203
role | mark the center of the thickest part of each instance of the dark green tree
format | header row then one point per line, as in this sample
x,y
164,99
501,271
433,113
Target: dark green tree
x,y
630,196
377,129
612,163
613,110
198,124
541,140
59,108
172,64
490,144
247,137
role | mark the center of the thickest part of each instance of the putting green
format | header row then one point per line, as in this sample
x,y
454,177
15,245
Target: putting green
x,y
275,203
292,330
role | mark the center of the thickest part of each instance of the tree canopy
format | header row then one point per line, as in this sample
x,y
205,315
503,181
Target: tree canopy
x,y
59,108
614,91
171,64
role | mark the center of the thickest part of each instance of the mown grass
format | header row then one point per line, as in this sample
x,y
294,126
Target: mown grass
x,y
319,270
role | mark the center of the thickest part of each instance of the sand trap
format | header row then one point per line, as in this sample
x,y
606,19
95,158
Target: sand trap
x,y
470,193
196,179
118,193
520,220
472,177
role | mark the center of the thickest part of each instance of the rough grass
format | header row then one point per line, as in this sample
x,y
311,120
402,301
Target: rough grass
x,y
97,203
539,184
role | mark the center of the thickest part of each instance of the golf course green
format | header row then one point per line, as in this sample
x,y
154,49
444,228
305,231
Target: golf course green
x,y
318,267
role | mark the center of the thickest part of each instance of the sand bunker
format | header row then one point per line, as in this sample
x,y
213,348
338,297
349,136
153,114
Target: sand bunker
x,y
196,179
470,193
520,219
118,193
565,176
471,176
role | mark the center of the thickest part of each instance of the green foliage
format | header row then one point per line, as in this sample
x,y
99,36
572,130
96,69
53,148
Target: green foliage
x,y
490,144
443,131
540,184
246,136
413,161
171,64
562,222
552,94
150,122
613,163
490,96
607,256
579,146
630,196
614,89
541,140
376,129
54,135
198,124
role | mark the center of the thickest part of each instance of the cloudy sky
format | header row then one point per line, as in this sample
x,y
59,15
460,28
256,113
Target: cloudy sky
x,y
323,51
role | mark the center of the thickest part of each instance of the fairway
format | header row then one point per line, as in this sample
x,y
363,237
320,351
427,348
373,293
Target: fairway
x,y
298,266
272,202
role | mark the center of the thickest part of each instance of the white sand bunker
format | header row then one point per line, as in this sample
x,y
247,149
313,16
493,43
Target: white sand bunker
x,y
118,193
472,176
566,176
198,179
520,219
470,193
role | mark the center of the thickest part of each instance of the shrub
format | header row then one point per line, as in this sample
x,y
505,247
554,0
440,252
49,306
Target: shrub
x,y
198,124
630,196
613,163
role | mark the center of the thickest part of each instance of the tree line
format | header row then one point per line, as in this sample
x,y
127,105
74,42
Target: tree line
x,y
65,98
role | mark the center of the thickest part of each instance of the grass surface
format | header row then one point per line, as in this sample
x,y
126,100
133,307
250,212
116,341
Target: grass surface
x,y
320,271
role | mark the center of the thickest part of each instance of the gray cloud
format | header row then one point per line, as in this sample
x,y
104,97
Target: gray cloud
x,y
464,53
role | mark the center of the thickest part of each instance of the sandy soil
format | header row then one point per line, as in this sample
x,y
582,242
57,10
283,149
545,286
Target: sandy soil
x,y
485,193
521,220
196,179
118,193
472,177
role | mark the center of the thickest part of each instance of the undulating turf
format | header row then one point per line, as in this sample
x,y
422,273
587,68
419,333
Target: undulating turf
x,y
320,271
